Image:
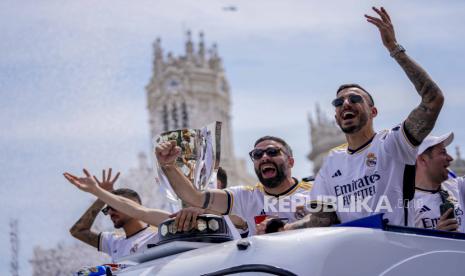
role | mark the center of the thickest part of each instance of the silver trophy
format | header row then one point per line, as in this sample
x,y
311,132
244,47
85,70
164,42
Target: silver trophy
x,y
199,158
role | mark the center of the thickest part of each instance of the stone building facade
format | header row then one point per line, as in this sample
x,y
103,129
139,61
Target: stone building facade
x,y
191,91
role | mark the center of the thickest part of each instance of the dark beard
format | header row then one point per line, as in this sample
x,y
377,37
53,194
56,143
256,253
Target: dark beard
x,y
118,224
275,181
356,128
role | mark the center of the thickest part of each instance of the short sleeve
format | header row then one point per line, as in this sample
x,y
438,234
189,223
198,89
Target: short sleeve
x,y
461,187
320,187
395,143
106,240
235,200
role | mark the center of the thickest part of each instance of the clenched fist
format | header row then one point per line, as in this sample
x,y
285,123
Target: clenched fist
x,y
167,152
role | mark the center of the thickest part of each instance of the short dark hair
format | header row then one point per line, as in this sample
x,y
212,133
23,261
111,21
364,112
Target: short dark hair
x,y
222,176
355,85
276,139
127,193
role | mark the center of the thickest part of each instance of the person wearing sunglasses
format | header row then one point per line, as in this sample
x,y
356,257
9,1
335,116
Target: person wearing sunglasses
x,y
370,167
125,210
137,233
273,161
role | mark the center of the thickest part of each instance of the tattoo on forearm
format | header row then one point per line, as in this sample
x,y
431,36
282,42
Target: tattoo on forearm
x,y
421,120
81,229
206,202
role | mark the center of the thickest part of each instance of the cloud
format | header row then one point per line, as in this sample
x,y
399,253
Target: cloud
x,y
73,74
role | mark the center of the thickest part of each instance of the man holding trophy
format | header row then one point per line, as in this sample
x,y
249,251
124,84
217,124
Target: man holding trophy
x,y
275,197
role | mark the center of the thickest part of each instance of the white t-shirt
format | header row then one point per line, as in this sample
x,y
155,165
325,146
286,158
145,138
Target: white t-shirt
x,y
251,201
117,245
426,204
372,174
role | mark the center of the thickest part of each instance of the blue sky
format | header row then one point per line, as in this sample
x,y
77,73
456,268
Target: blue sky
x,y
73,76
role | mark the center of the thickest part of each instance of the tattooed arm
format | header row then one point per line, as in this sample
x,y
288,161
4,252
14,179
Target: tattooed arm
x,y
421,120
215,200
81,229
319,219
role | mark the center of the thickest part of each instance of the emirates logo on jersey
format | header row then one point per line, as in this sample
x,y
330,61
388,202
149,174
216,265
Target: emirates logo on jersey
x,y
371,159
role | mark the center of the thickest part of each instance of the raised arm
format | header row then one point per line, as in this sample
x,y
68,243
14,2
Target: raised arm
x,y
122,204
132,208
81,230
216,200
421,120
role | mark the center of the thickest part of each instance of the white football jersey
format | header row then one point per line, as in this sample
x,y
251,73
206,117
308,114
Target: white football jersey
x,y
117,245
426,204
251,201
367,180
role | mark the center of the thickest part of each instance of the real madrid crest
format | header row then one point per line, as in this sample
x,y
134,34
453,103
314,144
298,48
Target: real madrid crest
x,y
371,159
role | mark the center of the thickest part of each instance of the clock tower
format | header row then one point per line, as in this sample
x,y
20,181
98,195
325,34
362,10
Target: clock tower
x,y
191,91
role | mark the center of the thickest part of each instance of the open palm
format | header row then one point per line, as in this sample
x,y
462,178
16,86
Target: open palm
x,y
86,183
107,183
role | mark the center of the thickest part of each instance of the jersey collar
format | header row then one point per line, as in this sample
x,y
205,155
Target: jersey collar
x,y
362,147
427,190
288,191
130,236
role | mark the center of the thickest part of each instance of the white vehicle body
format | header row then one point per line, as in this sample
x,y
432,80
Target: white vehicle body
x,y
319,251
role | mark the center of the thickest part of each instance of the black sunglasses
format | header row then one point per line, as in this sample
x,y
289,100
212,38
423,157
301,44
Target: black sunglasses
x,y
107,209
352,99
256,154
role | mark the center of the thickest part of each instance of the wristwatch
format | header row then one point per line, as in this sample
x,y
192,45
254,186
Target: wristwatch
x,y
398,49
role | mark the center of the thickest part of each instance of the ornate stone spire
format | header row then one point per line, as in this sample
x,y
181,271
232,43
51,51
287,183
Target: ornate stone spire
x,y
189,45
192,91
201,48
158,61
215,60
458,165
158,49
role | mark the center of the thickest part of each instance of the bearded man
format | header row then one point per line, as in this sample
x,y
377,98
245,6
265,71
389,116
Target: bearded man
x,y
277,195
366,175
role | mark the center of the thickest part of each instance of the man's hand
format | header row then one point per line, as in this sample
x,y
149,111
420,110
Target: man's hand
x,y
107,183
446,224
186,218
86,184
167,152
385,28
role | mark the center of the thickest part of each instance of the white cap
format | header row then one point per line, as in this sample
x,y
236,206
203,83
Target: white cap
x,y
431,141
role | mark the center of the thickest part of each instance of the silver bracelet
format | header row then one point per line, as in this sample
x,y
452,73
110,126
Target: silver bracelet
x,y
397,50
